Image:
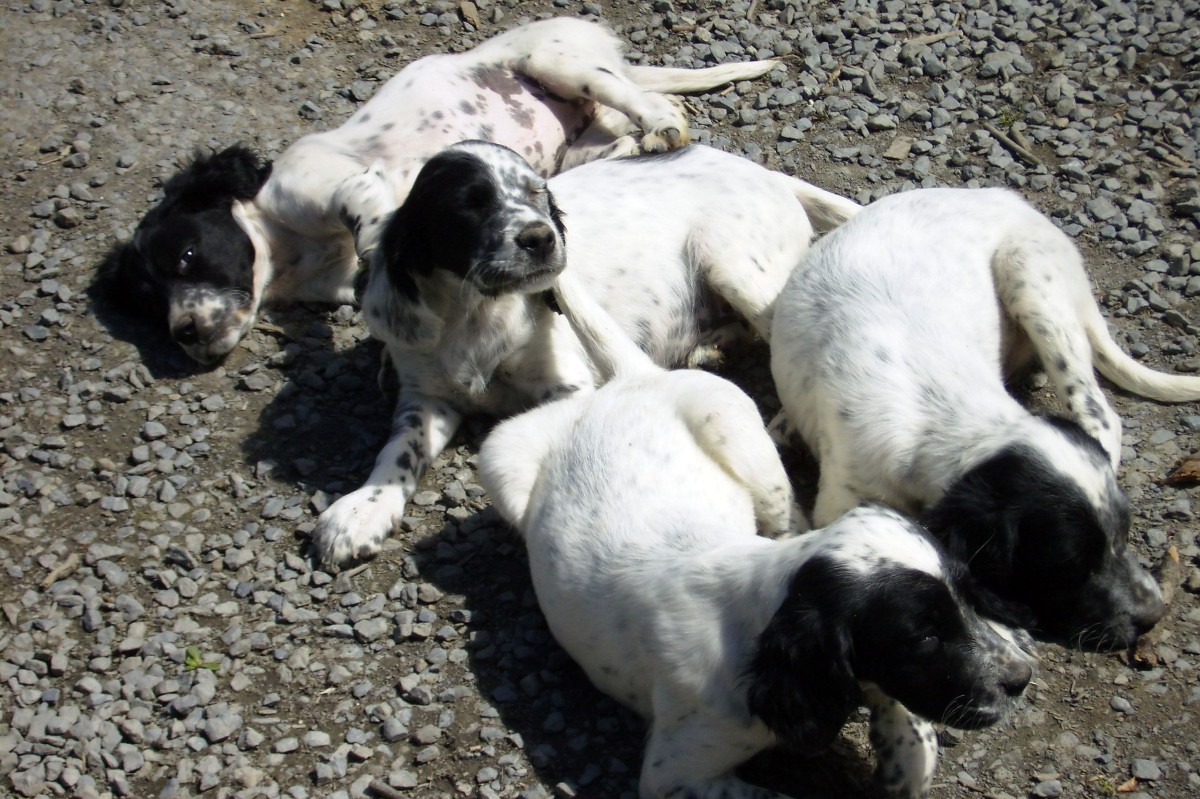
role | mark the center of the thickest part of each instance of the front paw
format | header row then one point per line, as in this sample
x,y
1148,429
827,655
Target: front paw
x,y
355,527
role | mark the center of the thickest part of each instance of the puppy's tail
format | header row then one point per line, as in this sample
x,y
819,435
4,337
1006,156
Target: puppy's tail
x,y
1120,368
608,346
682,81
825,209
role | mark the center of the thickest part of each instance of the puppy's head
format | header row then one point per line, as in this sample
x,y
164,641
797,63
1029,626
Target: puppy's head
x,y
1045,524
878,603
190,260
479,212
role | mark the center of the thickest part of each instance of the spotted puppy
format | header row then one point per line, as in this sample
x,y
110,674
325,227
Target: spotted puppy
x,y
233,232
456,289
890,349
641,505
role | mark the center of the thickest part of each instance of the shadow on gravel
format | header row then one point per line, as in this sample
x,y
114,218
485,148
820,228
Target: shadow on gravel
x,y
323,428
133,317
572,732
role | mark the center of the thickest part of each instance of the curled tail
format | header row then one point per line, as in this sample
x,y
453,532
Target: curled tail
x,y
1115,364
608,346
825,209
672,80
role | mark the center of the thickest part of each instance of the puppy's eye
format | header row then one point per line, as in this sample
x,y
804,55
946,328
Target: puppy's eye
x,y
928,644
185,260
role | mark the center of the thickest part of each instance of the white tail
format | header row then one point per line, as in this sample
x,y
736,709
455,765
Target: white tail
x,y
682,81
608,346
1120,368
825,209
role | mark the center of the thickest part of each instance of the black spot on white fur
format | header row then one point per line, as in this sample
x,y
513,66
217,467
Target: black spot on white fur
x,y
900,628
188,241
1033,537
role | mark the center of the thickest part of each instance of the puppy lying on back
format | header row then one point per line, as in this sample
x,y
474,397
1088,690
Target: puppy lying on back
x,y
667,243
890,348
641,505
234,232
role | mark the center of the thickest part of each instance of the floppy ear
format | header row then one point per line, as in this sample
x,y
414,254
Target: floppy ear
x,y
800,680
236,172
977,521
123,283
405,250
990,604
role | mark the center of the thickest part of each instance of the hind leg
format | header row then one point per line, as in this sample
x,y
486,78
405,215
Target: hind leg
x,y
726,425
1041,284
608,136
583,62
748,264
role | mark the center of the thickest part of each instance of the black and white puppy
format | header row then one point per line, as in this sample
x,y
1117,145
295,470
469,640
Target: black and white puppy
x,y
641,505
890,348
232,233
666,243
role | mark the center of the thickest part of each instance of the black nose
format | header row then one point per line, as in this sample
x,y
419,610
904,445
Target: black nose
x,y
1147,616
537,239
1016,676
185,331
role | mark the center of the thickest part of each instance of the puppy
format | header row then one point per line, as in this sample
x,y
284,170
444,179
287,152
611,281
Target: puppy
x,y
640,505
233,232
456,292
890,347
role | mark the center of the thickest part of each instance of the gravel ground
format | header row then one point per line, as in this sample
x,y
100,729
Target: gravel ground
x,y
162,634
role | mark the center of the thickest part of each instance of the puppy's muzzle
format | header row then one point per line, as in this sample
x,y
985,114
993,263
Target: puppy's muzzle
x,y
538,240
1015,677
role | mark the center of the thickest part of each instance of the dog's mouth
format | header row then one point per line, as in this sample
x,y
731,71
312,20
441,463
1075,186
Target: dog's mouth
x,y
531,282
975,717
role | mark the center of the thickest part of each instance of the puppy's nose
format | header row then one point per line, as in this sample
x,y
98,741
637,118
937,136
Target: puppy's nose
x,y
537,239
185,331
1016,676
1145,617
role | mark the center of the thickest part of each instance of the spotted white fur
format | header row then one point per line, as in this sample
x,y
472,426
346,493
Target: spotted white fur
x,y
642,506
647,240
557,91
892,342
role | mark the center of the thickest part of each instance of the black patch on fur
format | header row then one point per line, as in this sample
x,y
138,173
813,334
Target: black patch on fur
x,y
1030,536
195,214
900,628
452,220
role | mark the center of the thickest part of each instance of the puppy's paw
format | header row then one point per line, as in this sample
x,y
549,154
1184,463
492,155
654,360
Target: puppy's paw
x,y
355,527
363,203
669,137
664,124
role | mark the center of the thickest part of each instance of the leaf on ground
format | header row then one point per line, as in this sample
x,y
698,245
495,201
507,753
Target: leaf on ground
x,y
1185,473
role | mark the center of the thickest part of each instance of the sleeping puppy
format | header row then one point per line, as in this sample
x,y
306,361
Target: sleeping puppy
x,y
890,348
641,505
666,243
233,231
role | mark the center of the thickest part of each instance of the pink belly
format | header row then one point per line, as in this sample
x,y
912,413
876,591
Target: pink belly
x,y
431,105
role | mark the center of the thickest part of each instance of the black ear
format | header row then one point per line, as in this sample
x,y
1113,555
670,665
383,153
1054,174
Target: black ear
x,y
123,283
990,604
405,250
214,180
977,520
800,681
